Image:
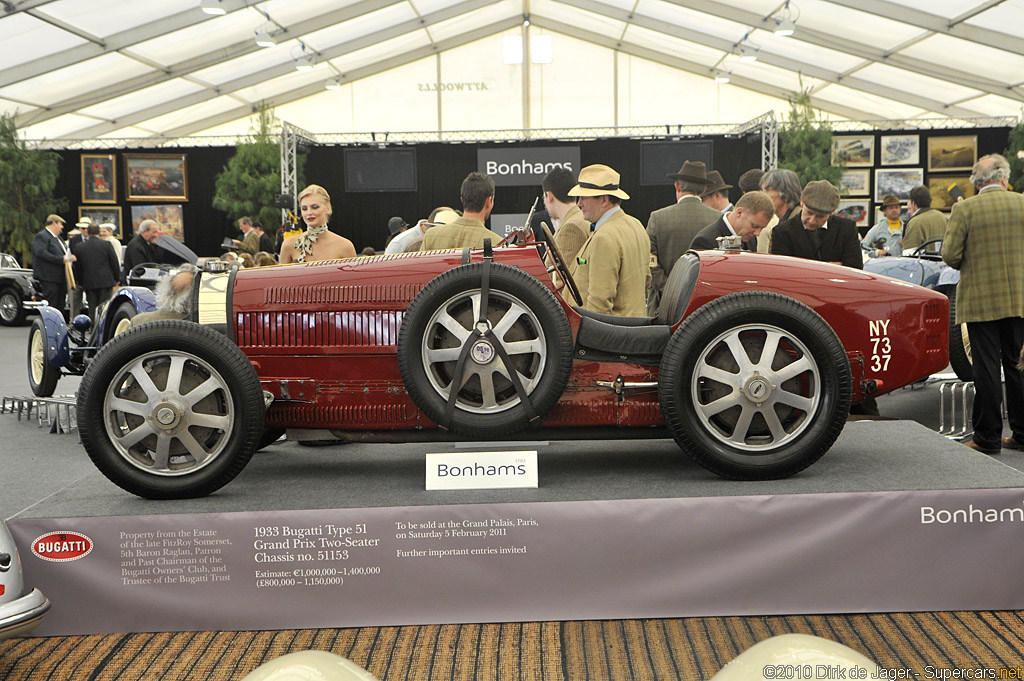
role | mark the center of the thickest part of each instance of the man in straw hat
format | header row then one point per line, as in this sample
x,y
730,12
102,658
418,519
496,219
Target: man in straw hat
x,y
716,194
886,237
612,267
671,229
817,234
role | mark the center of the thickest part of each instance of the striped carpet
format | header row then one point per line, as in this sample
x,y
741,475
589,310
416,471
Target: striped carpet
x,y
693,648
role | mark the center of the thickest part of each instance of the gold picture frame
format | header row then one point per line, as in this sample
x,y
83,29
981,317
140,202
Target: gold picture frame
x,y
99,178
110,215
956,152
853,151
156,177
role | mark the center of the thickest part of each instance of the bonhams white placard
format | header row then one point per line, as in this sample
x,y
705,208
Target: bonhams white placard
x,y
481,470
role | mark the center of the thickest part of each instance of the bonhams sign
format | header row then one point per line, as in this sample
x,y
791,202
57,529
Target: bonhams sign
x,y
526,165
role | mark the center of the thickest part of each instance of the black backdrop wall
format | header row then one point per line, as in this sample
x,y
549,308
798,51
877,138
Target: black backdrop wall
x,y
363,217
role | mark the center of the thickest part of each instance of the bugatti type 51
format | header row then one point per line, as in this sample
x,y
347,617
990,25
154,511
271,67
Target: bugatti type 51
x,y
751,364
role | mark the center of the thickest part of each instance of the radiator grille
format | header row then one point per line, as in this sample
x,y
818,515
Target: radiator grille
x,y
311,329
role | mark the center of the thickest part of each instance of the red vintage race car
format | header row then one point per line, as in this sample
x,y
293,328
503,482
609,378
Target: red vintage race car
x,y
751,364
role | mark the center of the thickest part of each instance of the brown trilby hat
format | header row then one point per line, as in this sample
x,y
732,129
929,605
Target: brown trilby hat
x,y
890,200
821,195
715,183
598,180
692,171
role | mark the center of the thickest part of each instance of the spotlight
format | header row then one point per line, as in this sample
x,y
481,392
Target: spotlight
x,y
333,84
212,7
721,77
305,62
264,38
748,53
784,27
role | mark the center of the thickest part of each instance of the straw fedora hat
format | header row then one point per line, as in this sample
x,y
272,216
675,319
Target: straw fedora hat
x,y
598,180
692,171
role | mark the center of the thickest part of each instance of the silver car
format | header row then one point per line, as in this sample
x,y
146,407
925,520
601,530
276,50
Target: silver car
x,y
20,612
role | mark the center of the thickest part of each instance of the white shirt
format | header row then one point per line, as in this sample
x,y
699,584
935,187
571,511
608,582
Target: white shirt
x,y
406,242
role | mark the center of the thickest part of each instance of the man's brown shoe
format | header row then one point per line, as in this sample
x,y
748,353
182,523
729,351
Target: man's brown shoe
x,y
1011,443
984,450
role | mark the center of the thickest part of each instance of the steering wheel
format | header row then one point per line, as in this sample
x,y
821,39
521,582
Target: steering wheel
x,y
560,265
923,248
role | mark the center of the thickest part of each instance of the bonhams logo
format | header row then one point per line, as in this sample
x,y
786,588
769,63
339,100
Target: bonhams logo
x,y
62,546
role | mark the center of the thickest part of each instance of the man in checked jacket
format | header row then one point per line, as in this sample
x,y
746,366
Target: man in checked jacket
x,y
984,241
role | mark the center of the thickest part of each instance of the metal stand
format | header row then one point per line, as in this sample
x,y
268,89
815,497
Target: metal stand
x,y
57,413
952,393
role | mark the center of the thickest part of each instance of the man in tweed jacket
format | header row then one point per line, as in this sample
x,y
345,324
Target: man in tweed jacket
x,y
983,241
671,229
612,269
573,230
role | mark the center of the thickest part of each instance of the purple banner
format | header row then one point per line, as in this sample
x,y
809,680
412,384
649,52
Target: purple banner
x,y
785,554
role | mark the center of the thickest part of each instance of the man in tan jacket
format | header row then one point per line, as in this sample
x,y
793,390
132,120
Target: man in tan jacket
x,y
477,203
612,268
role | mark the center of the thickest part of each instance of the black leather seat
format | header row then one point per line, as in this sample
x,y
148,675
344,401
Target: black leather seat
x,y
639,340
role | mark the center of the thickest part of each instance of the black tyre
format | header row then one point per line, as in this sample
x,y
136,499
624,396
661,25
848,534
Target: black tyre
x,y
755,386
42,376
525,318
11,311
959,342
121,320
170,410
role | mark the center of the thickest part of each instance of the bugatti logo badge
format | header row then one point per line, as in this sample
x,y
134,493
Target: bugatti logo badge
x,y
61,547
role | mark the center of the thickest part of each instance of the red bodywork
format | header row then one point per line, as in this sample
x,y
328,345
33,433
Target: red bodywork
x,y
322,335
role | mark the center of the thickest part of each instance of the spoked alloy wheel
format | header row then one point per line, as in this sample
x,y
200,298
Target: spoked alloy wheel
x,y
170,410
486,386
11,311
523,319
755,386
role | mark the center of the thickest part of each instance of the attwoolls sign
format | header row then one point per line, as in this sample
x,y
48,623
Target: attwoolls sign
x,y
62,546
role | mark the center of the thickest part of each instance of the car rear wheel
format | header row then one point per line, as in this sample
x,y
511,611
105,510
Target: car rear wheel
x,y
11,311
523,319
959,342
755,386
170,410
42,376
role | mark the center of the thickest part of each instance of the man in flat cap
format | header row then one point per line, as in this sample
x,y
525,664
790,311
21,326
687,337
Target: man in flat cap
x,y
612,268
671,229
886,237
925,223
716,194
816,233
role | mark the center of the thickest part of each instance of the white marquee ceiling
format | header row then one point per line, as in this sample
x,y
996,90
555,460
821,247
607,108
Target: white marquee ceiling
x,y
82,69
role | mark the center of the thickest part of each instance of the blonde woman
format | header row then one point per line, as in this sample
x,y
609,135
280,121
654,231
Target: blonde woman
x,y
316,243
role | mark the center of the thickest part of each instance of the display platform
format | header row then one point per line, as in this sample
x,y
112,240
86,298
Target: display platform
x,y
893,518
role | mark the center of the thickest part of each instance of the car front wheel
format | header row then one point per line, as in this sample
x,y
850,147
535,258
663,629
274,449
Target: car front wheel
x,y
42,376
755,386
170,410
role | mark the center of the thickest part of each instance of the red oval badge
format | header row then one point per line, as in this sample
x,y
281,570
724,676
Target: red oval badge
x,y
62,546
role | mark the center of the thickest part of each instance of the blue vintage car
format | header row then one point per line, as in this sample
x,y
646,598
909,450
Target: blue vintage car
x,y
924,267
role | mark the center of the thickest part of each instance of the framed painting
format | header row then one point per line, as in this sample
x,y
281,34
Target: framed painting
x,y
853,151
854,209
156,177
897,182
901,150
945,189
167,215
855,183
959,152
103,215
99,178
